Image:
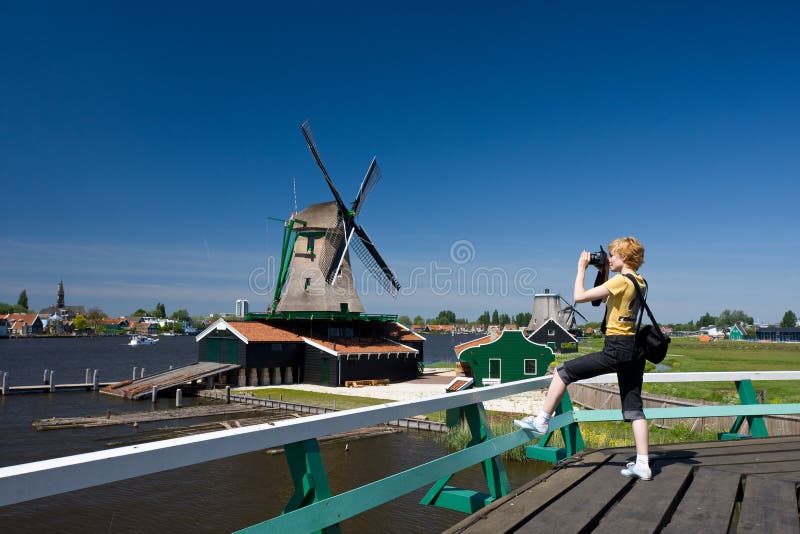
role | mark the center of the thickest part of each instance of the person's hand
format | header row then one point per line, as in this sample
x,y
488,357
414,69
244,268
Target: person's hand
x,y
583,260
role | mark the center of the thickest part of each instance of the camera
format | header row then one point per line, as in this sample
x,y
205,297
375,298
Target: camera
x,y
598,259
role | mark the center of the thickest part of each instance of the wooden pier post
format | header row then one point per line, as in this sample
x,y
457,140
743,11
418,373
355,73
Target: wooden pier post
x,y
88,376
95,380
141,375
52,382
178,398
134,372
44,378
5,383
227,394
155,394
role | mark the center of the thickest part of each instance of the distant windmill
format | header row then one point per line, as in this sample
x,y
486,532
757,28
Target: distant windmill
x,y
316,275
548,306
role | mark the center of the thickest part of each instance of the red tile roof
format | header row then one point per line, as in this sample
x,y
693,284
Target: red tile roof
x,y
469,344
256,331
363,346
398,332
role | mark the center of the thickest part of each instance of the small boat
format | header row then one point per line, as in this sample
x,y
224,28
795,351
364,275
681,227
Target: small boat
x,y
142,340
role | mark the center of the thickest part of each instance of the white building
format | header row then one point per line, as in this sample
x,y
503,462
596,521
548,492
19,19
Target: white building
x,y
242,307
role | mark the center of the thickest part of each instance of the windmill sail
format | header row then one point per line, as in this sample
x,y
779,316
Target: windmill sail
x,y
374,263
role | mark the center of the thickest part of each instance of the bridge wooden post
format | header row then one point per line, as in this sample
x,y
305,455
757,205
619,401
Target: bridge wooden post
x,y
52,382
758,429
470,501
5,383
95,380
571,433
308,476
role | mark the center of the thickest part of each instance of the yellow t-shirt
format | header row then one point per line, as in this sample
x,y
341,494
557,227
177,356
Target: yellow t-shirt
x,y
622,305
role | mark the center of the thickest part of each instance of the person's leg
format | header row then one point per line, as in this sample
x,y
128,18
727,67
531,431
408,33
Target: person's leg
x,y
629,377
554,394
641,436
570,371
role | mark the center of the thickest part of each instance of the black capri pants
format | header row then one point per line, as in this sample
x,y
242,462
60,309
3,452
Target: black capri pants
x,y
617,356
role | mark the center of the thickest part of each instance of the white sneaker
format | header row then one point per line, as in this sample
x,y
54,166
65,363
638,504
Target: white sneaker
x,y
533,425
637,471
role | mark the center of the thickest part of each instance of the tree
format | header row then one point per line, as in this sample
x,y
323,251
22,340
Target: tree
x,y
484,318
789,320
522,319
139,313
404,319
419,320
495,317
706,320
446,317
160,312
504,319
94,315
79,322
23,299
728,318
180,315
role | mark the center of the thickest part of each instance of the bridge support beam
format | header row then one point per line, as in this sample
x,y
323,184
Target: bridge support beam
x,y
758,429
469,501
308,476
571,433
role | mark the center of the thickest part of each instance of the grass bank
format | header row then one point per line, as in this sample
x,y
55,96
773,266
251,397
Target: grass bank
x,y
595,435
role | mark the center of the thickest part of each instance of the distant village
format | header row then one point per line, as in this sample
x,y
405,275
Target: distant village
x,y
549,324
69,320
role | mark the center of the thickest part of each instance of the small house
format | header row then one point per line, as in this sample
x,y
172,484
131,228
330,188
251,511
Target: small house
x,y
504,358
555,336
737,333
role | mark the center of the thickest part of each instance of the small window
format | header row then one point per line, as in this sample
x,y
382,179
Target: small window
x,y
307,284
551,332
310,246
530,367
494,367
276,347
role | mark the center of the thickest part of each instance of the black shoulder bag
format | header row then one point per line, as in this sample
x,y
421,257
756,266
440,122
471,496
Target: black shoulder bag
x,y
651,342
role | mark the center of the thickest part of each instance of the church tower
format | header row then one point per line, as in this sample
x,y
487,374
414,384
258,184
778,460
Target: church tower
x,y
60,303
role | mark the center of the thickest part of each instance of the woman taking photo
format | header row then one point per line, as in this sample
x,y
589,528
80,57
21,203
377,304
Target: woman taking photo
x,y
626,255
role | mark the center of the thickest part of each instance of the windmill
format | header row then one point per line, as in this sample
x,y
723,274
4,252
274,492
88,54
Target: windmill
x,y
548,306
315,273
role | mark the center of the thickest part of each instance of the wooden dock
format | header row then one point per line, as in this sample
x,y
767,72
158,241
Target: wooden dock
x,y
724,486
144,387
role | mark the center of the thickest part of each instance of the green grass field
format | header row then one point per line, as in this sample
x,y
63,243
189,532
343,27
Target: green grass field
x,y
691,355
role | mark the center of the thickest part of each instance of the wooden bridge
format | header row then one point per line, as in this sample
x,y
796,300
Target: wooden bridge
x,y
746,485
587,485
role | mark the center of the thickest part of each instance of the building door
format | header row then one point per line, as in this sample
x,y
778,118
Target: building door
x,y
324,371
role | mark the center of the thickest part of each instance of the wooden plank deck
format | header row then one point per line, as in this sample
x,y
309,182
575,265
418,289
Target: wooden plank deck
x,y
723,486
143,387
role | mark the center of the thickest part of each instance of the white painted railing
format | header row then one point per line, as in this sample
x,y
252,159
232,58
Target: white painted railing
x,y
33,480
19,483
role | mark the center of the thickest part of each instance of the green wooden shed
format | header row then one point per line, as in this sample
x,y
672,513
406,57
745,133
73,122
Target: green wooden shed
x,y
508,357
737,333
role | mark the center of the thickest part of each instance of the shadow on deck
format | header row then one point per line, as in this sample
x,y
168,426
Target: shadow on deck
x,y
727,486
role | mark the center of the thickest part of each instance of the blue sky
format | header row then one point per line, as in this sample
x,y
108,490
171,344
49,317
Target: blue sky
x,y
144,146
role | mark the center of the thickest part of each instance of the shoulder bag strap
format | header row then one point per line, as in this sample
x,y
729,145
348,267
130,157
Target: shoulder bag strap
x,y
644,304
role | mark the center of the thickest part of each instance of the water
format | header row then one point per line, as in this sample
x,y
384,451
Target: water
x,y
439,347
219,496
